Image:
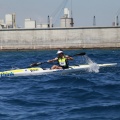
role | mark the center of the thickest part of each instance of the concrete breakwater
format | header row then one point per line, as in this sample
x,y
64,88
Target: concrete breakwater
x,y
50,38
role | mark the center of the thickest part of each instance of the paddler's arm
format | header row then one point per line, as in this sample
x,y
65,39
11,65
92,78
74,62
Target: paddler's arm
x,y
68,57
53,60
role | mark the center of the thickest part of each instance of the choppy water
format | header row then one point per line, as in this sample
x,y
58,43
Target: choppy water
x,y
79,96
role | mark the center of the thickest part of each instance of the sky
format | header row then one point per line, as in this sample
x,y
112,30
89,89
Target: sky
x,y
83,11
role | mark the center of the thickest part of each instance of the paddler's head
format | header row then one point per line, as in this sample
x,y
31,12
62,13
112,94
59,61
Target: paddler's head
x,y
60,53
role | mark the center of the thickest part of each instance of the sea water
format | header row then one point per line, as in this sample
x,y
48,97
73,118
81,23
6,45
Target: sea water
x,y
92,94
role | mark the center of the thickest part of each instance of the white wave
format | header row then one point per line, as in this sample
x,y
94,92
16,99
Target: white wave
x,y
93,66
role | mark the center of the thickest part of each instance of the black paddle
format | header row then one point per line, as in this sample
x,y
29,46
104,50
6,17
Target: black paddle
x,y
79,54
39,63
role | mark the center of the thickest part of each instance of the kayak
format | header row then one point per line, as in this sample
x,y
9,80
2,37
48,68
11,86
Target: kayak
x,y
45,71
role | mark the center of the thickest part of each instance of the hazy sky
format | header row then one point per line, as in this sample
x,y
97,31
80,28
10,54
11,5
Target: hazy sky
x,y
83,11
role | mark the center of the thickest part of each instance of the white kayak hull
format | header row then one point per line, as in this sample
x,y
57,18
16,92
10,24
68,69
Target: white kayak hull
x,y
40,71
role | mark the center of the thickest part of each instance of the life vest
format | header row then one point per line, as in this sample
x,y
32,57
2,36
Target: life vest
x,y
63,62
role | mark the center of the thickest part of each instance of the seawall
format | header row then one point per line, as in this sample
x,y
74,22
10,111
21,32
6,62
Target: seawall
x,y
50,38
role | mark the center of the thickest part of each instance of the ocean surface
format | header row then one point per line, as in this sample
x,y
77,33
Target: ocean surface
x,y
84,95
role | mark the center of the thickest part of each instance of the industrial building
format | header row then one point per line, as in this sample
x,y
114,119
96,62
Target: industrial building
x,y
30,23
66,20
10,21
45,36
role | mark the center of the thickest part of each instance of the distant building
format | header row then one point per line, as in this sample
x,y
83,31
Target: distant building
x,y
30,23
1,23
66,20
10,20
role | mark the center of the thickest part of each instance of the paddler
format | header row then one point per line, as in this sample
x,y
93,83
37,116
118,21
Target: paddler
x,y
62,60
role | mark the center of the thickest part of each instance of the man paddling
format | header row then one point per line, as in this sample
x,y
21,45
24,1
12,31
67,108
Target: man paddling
x,y
62,60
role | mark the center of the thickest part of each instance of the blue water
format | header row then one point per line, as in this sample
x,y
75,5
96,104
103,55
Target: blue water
x,y
80,96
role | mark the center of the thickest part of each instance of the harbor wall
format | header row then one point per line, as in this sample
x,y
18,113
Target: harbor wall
x,y
51,38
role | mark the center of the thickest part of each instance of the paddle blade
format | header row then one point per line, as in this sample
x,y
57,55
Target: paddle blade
x,y
83,53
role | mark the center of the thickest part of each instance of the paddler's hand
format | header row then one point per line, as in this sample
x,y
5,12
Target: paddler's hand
x,y
49,61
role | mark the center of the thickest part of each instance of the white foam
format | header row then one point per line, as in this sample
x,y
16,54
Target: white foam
x,y
93,66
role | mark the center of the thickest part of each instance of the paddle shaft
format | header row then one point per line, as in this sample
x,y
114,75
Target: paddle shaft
x,y
39,63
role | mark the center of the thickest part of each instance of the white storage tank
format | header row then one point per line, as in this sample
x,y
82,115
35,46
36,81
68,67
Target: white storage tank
x,y
66,12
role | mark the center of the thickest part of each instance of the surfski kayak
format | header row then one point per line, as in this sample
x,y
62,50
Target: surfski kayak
x,y
41,71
